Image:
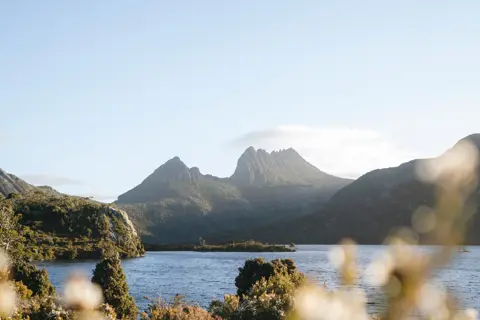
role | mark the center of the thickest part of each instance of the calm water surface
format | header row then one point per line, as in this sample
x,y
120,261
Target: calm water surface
x,y
204,276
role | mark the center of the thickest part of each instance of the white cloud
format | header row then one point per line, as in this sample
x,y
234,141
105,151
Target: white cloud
x,y
40,179
107,198
342,151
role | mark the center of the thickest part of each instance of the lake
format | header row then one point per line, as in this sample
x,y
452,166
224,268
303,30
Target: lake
x,y
204,276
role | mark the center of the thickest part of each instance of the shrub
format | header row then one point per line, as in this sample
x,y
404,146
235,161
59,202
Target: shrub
x,y
256,269
266,291
177,309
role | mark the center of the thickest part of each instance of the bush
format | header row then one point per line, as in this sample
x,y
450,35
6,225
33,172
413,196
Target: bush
x,y
256,269
265,291
177,309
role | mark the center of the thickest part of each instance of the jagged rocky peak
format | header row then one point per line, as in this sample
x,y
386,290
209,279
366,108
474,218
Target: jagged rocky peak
x,y
258,167
195,173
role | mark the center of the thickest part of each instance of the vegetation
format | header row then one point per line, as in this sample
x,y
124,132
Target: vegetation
x,y
177,309
265,290
243,246
32,278
43,226
108,274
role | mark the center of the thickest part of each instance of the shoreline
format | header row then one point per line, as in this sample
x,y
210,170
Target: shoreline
x,y
226,247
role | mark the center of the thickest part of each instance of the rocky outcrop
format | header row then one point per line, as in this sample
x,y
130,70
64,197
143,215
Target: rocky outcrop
x,y
12,184
121,216
259,168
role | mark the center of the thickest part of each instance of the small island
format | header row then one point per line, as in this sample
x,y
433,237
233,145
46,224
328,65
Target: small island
x,y
243,246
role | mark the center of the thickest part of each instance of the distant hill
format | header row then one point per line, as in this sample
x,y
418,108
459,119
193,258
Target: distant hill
x,y
367,209
180,204
12,184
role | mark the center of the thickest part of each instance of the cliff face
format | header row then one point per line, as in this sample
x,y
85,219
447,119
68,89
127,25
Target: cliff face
x,y
180,204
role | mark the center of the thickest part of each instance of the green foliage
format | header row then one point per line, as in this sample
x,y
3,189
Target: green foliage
x,y
34,279
13,195
177,309
109,275
23,292
10,233
265,291
256,269
226,309
243,246
45,226
43,308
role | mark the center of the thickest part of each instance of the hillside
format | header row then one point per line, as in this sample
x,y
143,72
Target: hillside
x,y
368,209
180,204
12,184
41,223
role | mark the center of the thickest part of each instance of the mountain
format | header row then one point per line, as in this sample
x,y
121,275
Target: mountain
x,y
284,167
369,208
12,184
180,204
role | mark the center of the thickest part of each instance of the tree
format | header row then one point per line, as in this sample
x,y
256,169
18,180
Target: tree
x,y
109,275
8,225
34,278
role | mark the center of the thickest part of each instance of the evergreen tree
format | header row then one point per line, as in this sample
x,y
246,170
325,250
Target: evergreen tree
x,y
35,279
109,275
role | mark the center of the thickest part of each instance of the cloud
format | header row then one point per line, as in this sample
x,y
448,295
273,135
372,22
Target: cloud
x,y
50,180
106,198
342,151
101,197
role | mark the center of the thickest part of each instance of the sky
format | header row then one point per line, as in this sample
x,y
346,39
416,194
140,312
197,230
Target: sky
x,y
95,95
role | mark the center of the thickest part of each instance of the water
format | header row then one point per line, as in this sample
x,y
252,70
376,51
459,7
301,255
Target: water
x,y
204,276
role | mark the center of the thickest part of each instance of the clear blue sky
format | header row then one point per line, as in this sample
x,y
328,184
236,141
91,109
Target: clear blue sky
x,y
94,95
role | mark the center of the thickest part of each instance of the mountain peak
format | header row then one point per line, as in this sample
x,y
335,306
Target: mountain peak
x,y
173,169
473,138
174,159
286,166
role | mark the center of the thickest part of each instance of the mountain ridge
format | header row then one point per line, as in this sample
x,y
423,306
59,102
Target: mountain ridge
x,y
10,183
371,207
264,187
